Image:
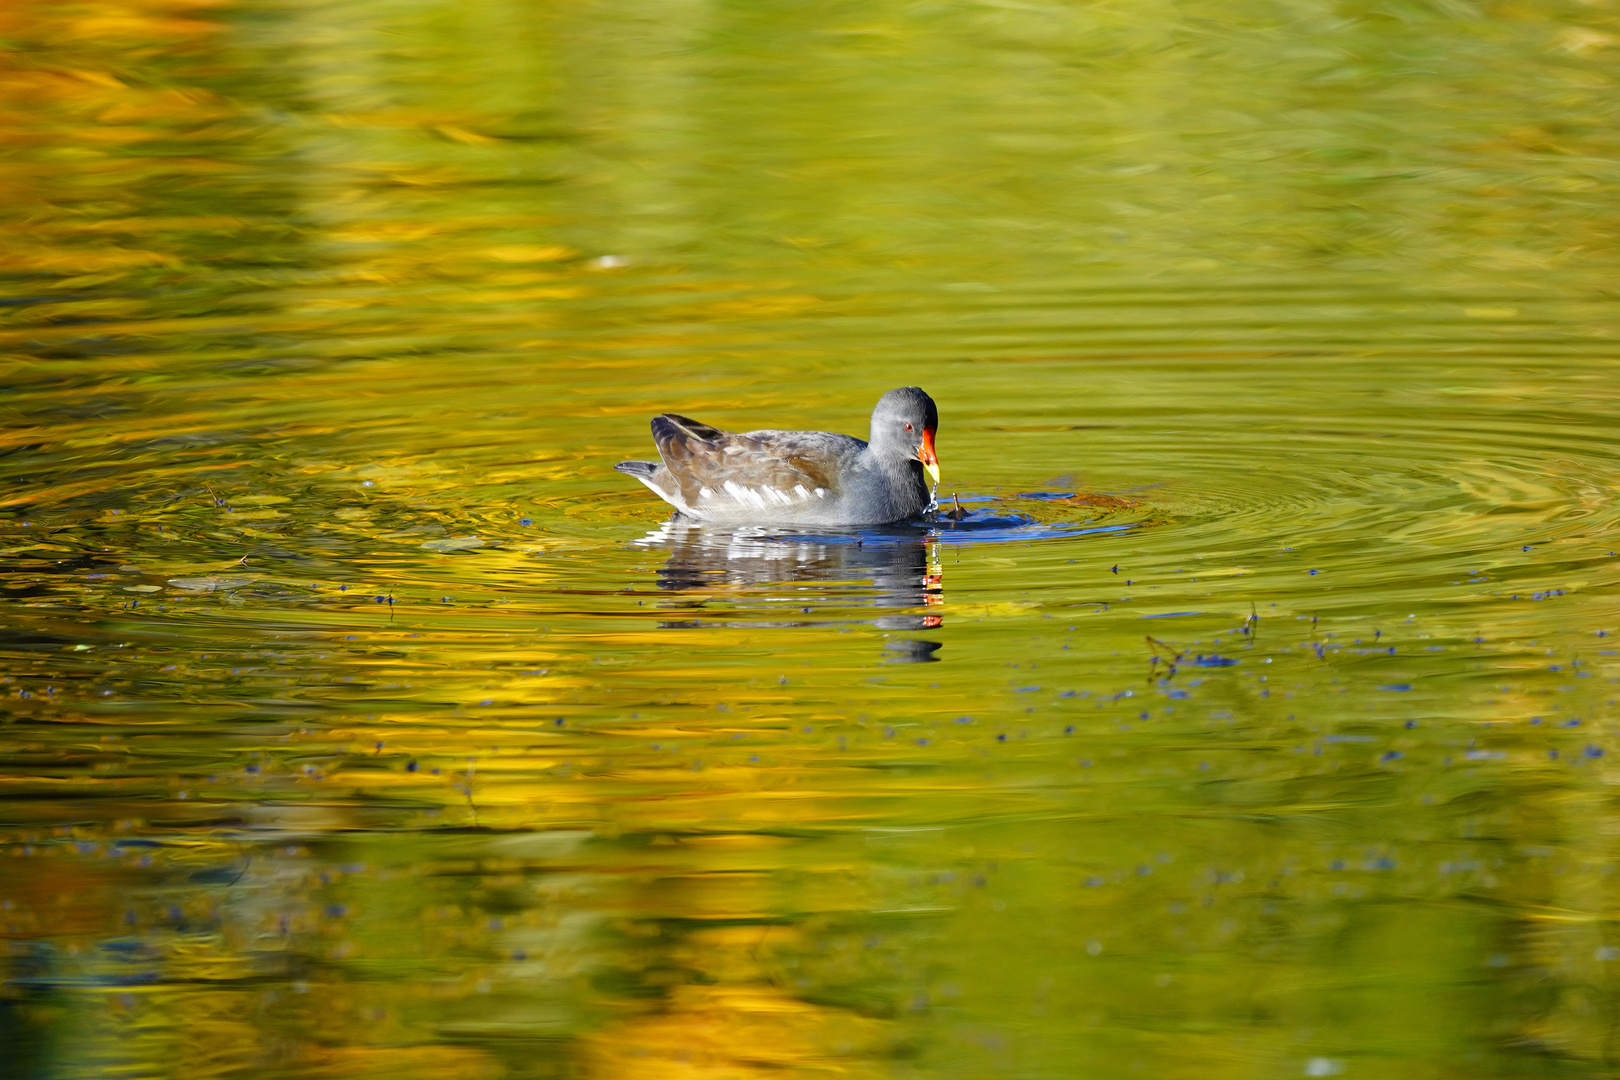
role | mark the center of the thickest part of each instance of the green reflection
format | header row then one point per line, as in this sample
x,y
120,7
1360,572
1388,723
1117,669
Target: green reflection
x,y
360,721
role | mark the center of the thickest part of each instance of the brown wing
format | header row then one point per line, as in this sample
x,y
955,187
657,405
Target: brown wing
x,y
722,470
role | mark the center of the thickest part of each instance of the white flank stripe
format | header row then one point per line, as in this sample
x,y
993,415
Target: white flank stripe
x,y
744,495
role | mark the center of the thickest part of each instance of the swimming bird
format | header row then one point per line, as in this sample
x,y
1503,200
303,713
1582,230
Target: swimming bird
x,y
799,477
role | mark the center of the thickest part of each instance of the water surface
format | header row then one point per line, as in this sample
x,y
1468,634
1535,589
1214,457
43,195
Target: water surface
x,y
1257,719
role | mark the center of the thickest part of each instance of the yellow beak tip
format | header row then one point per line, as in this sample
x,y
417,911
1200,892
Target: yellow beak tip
x,y
932,471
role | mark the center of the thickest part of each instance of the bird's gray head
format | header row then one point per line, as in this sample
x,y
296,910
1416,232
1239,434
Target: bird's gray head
x,y
904,423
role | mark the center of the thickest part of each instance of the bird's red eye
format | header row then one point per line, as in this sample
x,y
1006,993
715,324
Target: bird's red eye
x,y
908,427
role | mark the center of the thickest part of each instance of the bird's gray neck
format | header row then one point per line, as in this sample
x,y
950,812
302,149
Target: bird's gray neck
x,y
885,446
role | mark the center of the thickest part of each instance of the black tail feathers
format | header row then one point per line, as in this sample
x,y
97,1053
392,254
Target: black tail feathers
x,y
637,468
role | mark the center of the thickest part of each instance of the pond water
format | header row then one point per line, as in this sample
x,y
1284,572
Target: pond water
x,y
1255,717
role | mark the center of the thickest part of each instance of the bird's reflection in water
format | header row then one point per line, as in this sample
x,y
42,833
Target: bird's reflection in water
x,y
752,576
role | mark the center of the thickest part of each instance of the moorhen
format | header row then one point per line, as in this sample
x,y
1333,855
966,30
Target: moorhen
x,y
799,477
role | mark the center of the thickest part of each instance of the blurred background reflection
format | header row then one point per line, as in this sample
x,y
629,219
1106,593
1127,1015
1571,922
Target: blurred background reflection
x,y
1251,713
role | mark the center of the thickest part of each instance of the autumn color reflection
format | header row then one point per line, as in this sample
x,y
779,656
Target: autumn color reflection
x,y
357,721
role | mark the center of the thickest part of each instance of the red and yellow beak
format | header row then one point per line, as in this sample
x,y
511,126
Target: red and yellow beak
x,y
926,455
